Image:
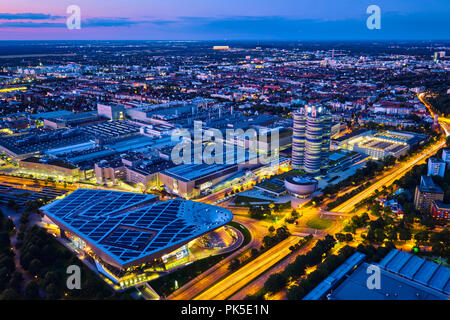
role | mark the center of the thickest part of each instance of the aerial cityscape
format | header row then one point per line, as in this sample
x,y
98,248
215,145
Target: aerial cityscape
x,y
187,163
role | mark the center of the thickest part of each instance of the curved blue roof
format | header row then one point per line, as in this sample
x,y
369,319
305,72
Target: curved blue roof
x,y
130,226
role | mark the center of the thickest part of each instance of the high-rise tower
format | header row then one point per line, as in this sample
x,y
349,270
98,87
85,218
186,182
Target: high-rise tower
x,y
298,139
311,139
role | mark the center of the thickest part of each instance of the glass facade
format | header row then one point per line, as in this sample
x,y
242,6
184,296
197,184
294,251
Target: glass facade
x,y
311,139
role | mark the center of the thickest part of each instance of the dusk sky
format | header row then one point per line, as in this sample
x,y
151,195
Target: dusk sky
x,y
224,19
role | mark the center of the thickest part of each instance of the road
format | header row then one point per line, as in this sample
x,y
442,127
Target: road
x,y
238,279
258,283
215,273
347,207
403,168
390,177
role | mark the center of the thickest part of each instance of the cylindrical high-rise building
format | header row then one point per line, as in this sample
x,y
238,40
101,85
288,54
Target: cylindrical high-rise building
x,y
298,139
311,139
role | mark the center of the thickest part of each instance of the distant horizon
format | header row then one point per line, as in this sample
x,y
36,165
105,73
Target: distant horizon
x,y
232,40
234,20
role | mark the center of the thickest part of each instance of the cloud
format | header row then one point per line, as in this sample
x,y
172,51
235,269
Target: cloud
x,y
28,16
161,22
24,24
109,22
393,26
85,23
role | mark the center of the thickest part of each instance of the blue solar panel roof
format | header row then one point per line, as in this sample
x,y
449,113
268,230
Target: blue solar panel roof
x,y
398,262
319,291
393,287
411,268
424,274
130,226
383,263
417,269
440,278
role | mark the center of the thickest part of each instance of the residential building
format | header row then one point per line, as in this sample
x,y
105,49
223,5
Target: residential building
x,y
446,155
426,193
440,210
436,167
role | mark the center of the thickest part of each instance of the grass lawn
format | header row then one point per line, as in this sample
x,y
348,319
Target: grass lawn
x,y
319,223
271,186
244,230
245,199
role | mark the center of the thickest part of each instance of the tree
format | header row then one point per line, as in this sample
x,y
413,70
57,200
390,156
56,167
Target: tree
x,y
392,235
348,237
422,236
388,211
5,242
380,235
31,291
438,249
317,276
282,233
7,261
7,225
16,281
35,267
234,264
52,277
442,237
256,297
295,293
13,204
389,161
254,252
51,292
256,213
296,268
4,277
404,234
10,294
275,283
370,235
375,210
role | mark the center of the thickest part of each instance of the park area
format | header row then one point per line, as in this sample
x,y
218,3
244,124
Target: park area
x,y
319,223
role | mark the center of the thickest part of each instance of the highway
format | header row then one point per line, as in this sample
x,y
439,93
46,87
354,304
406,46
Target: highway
x,y
390,177
403,168
215,273
258,283
237,280
347,207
